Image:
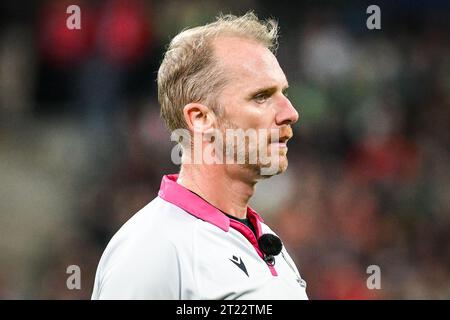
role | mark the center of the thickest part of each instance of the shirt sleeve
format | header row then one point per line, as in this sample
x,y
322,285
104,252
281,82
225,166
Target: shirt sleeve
x,y
149,271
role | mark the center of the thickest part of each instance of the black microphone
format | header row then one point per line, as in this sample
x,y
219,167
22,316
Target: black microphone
x,y
270,245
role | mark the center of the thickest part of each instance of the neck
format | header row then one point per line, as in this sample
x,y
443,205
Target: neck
x,y
225,187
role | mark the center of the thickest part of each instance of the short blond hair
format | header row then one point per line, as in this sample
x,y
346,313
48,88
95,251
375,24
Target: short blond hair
x,y
189,71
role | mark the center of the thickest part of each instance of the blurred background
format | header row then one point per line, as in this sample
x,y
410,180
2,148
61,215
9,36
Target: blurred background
x,y
82,146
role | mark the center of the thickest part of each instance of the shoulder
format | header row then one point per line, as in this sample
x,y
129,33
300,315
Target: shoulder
x,y
158,222
147,249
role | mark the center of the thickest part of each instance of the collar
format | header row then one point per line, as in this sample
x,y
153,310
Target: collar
x,y
178,195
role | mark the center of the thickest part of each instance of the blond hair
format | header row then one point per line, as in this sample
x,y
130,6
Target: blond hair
x,y
190,72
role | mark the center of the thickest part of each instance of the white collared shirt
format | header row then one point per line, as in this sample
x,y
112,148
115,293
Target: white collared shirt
x,y
181,247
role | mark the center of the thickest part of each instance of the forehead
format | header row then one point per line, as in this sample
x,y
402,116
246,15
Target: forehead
x,y
248,64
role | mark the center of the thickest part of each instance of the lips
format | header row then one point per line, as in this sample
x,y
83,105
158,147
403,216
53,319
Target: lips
x,y
285,135
284,139
281,143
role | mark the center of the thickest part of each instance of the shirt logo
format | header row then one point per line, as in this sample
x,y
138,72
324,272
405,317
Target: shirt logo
x,y
238,261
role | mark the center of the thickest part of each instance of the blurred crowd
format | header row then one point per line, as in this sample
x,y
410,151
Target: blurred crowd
x,y
82,145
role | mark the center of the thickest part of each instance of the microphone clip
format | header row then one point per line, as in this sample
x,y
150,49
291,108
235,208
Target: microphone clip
x,y
270,260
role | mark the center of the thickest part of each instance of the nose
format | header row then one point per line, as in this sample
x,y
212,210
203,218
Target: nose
x,y
286,113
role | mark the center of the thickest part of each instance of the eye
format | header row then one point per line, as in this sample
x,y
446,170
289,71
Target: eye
x,y
261,97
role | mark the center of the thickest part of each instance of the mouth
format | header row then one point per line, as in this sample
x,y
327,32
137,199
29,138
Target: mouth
x,y
282,141
285,134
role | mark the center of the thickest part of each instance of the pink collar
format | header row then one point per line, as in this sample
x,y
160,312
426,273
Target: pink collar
x,y
178,195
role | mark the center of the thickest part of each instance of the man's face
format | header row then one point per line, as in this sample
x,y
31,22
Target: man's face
x,y
254,97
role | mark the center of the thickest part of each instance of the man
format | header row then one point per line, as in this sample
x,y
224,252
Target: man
x,y
199,239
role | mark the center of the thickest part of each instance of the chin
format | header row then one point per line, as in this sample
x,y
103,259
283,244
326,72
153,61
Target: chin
x,y
267,171
283,166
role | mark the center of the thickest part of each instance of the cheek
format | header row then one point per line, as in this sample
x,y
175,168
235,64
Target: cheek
x,y
250,116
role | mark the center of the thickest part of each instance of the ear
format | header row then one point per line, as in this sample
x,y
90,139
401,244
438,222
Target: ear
x,y
199,117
